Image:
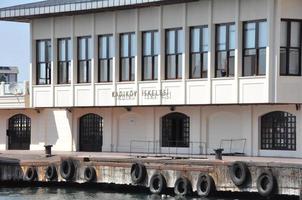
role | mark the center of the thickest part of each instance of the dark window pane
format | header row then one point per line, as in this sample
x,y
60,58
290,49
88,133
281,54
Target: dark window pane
x,y
195,40
205,65
171,67
221,37
180,41
205,39
104,70
283,61
42,73
232,63
103,47
249,62
295,34
89,48
262,62
147,43
262,40
110,70
62,50
132,69
49,53
148,68
196,66
250,35
133,45
179,71
111,47
124,45
155,67
125,69
294,63
41,51
171,42
283,40
221,64
232,36
82,49
69,50
83,72
156,43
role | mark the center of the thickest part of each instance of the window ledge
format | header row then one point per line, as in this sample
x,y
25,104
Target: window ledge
x,y
252,77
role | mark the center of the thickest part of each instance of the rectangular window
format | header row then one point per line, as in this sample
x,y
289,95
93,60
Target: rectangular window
x,y
84,59
225,50
199,43
254,48
127,56
64,61
150,55
290,48
43,62
106,52
174,51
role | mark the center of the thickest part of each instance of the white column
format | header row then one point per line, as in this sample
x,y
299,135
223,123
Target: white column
x,y
32,66
211,53
185,63
73,78
161,56
138,63
238,50
270,61
116,61
94,62
53,61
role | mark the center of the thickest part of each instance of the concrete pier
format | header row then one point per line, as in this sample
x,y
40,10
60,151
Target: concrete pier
x,y
116,168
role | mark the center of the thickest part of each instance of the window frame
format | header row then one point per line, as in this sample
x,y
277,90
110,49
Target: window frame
x,y
201,52
269,135
153,55
87,61
66,61
176,54
129,57
256,48
109,77
288,46
47,62
227,49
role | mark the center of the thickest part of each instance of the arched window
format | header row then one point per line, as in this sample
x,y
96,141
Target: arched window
x,y
91,133
278,131
175,130
18,132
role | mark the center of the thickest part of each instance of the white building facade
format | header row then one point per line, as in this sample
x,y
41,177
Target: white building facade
x,y
161,76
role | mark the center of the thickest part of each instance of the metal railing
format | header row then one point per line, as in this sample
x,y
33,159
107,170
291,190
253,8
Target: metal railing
x,y
231,148
173,149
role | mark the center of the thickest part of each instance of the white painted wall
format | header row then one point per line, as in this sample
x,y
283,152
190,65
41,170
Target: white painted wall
x,y
268,89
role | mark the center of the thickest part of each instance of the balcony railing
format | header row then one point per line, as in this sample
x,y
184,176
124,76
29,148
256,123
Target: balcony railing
x,y
14,89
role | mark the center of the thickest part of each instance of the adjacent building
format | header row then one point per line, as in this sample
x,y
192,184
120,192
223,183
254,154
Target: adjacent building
x,y
184,76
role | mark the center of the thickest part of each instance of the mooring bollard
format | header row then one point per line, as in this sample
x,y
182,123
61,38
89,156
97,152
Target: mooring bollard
x,y
218,154
48,150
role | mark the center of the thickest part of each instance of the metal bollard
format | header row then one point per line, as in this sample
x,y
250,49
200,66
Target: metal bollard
x,y
48,150
218,154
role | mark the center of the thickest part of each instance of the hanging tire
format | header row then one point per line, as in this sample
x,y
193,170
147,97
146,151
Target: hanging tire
x,y
182,187
266,183
239,173
158,184
67,169
51,172
138,173
30,174
89,174
205,185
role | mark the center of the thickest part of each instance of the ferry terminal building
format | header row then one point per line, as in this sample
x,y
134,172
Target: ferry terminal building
x,y
159,76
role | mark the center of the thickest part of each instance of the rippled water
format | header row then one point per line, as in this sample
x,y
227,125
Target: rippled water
x,y
75,193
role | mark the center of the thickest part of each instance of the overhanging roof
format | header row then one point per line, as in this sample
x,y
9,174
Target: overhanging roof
x,y
50,8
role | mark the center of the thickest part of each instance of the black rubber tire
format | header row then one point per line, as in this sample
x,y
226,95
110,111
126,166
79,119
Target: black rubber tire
x,y
89,174
182,187
51,172
239,173
30,174
158,184
205,185
138,173
67,169
266,184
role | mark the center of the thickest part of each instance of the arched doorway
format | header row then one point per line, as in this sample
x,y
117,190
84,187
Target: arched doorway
x,y
18,132
91,133
278,131
175,130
